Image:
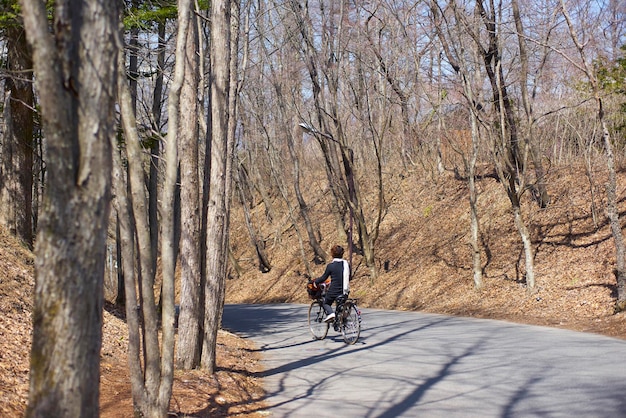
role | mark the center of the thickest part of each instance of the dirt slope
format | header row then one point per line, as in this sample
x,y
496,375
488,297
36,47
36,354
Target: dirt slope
x,y
423,240
232,391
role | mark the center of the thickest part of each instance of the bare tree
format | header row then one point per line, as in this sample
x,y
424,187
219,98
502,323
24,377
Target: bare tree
x,y
585,66
540,190
462,56
286,83
328,125
509,156
75,76
152,386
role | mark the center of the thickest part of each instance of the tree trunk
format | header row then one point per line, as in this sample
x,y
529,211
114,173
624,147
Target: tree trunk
x,y
611,187
155,149
152,389
540,188
16,152
319,256
242,188
216,211
120,298
144,384
190,319
75,72
473,198
528,247
613,214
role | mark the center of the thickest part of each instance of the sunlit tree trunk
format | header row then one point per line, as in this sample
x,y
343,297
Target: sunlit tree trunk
x,y
151,380
190,320
75,72
217,208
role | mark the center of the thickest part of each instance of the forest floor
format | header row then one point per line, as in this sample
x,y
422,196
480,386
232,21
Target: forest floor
x,y
575,286
234,390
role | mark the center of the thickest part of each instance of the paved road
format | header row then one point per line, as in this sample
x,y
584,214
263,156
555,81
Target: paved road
x,y
410,364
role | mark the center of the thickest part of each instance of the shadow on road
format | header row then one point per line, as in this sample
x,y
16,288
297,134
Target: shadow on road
x,y
411,364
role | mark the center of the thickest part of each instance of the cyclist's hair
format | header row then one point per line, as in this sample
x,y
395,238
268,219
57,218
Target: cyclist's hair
x,y
336,251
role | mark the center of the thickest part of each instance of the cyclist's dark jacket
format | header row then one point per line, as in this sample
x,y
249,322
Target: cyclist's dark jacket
x,y
339,272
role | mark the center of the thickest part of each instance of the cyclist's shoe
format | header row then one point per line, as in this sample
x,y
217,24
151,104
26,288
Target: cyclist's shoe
x,y
329,317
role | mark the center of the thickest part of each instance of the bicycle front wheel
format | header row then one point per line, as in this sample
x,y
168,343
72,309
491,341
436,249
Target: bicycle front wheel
x,y
318,327
351,326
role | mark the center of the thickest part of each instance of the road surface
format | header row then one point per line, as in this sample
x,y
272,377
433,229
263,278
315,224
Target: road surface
x,y
409,364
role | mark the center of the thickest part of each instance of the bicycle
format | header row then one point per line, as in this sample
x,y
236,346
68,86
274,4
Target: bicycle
x,y
347,317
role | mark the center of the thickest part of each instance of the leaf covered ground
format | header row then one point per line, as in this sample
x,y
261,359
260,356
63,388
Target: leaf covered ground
x,y
423,259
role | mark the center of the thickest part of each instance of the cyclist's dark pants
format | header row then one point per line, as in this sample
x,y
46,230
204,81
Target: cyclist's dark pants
x,y
328,301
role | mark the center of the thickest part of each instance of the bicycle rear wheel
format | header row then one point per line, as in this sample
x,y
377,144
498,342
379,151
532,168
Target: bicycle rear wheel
x,y
318,327
351,324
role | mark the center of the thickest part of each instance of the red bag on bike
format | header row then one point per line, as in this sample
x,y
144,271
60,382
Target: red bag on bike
x,y
315,290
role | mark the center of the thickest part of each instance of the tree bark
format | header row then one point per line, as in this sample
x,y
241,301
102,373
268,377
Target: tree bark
x,y
216,211
190,319
155,149
540,189
75,72
242,187
152,389
16,151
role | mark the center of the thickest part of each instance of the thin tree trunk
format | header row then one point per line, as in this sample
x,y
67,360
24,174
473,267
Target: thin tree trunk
x,y
242,187
120,298
155,149
528,247
152,390
473,198
611,187
319,253
541,189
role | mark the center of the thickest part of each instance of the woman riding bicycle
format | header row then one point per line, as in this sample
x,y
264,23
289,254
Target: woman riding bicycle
x,y
339,272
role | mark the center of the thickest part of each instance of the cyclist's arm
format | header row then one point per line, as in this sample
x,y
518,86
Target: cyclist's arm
x,y
324,276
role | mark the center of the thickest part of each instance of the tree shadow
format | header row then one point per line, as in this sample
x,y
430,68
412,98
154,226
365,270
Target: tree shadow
x,y
457,366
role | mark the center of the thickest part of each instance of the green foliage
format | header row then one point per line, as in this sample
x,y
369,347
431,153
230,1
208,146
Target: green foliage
x,y
149,12
612,76
612,80
9,12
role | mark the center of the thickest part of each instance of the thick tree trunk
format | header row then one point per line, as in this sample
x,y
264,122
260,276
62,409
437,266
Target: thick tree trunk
x,y
190,320
216,212
16,151
75,72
